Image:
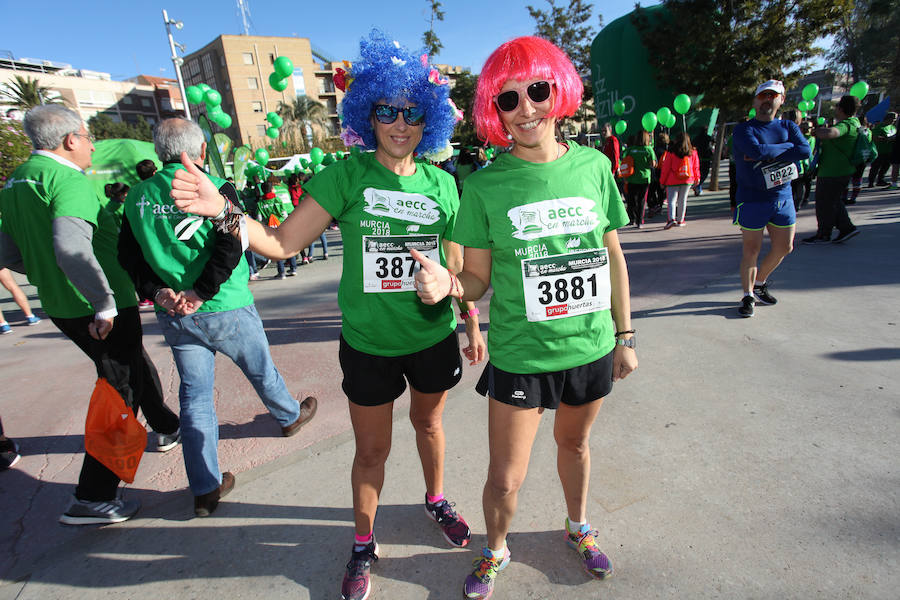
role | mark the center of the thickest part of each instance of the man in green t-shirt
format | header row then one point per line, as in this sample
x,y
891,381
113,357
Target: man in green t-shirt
x,y
198,279
883,135
835,169
56,232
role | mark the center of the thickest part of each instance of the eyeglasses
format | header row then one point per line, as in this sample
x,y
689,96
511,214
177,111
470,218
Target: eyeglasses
x,y
387,114
86,136
538,92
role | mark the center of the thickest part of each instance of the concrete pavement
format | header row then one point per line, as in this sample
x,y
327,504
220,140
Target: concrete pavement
x,y
746,458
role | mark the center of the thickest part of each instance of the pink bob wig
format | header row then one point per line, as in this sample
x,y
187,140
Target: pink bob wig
x,y
521,59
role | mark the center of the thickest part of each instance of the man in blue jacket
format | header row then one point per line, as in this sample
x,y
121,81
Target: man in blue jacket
x,y
766,151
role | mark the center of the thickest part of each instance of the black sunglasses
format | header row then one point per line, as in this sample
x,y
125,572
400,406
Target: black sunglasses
x,y
538,92
387,114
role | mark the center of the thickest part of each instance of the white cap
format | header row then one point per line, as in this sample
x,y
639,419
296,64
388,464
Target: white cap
x,y
772,84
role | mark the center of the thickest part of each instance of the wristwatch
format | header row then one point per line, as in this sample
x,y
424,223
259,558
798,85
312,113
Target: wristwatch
x,y
629,343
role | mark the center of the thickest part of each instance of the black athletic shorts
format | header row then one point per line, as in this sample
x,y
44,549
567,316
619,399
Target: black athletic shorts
x,y
575,386
371,380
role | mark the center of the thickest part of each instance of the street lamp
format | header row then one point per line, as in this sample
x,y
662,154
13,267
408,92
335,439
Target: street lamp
x,y
177,60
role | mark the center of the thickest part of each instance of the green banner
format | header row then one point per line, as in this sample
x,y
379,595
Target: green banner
x,y
114,160
242,156
224,145
213,158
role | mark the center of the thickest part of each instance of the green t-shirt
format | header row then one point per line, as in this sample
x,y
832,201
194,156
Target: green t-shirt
x,y
154,220
643,157
544,224
39,191
381,216
834,160
274,206
886,130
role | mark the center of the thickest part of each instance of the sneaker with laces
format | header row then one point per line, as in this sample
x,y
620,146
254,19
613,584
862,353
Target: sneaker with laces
x,y
5,328
453,526
682,223
584,542
480,582
32,320
762,294
167,441
81,512
746,307
816,240
670,225
846,235
356,584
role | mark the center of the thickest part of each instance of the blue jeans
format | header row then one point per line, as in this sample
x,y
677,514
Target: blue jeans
x,y
195,339
292,262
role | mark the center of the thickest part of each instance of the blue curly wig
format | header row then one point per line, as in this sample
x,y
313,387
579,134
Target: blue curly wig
x,y
386,70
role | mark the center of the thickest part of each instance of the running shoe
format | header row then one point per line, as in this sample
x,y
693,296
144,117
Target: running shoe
x,y
292,272
746,308
843,237
670,225
480,583
32,320
894,186
5,328
453,526
9,454
280,276
816,240
167,441
762,294
681,223
81,512
356,584
584,542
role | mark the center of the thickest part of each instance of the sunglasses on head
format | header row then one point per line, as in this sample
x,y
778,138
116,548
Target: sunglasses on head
x,y
538,92
387,114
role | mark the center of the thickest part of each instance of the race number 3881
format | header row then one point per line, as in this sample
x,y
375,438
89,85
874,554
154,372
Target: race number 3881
x,y
387,264
566,285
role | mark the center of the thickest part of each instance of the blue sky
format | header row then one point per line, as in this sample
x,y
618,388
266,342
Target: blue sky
x,y
128,38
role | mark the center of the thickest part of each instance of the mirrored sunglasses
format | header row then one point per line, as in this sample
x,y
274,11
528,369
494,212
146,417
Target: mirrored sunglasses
x,y
387,114
538,92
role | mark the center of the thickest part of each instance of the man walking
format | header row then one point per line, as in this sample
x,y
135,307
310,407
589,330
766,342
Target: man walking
x,y
765,154
835,169
199,281
57,233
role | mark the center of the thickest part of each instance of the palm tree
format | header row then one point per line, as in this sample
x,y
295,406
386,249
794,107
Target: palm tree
x,y
26,92
305,112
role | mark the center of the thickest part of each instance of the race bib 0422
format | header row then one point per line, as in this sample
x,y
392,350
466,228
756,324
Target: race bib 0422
x,y
779,174
566,285
387,264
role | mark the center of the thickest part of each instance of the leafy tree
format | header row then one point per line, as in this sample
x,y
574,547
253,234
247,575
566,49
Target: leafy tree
x,y
867,46
570,29
430,39
724,48
102,127
26,92
299,113
463,95
14,147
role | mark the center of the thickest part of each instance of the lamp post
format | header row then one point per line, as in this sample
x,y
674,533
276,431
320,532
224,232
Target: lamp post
x,y
177,60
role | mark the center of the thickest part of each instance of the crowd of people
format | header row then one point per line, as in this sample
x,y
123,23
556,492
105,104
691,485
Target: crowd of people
x,y
537,223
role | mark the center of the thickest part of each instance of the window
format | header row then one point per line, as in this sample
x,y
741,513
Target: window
x,y
257,106
261,130
145,102
271,58
248,58
252,83
127,100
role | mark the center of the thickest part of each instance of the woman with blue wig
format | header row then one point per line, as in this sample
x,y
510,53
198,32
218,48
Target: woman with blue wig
x,y
386,204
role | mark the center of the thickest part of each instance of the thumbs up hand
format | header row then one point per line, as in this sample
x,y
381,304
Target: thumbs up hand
x,y
432,280
194,192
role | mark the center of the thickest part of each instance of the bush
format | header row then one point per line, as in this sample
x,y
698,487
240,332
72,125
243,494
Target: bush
x,y
15,147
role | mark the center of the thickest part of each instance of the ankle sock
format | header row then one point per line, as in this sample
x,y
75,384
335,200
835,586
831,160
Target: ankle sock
x,y
497,554
433,499
361,541
575,526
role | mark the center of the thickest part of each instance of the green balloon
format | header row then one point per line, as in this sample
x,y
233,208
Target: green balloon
x,y
194,94
274,119
820,120
284,144
304,163
810,91
212,98
318,168
204,87
277,82
283,66
619,107
262,156
214,112
272,132
752,113
671,122
859,89
339,155
223,120
663,114
329,158
682,103
621,126
649,121
316,156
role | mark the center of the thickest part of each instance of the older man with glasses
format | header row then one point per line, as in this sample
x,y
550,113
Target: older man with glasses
x,y
55,231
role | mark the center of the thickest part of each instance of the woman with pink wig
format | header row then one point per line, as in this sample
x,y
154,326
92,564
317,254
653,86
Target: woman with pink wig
x,y
539,225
